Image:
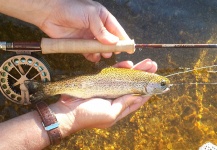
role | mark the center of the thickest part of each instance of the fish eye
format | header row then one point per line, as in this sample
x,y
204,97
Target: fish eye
x,y
163,83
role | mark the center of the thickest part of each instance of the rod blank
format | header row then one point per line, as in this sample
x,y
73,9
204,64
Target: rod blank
x,y
176,46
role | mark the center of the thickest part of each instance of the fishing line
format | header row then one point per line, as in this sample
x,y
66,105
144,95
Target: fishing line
x,y
199,83
190,70
196,83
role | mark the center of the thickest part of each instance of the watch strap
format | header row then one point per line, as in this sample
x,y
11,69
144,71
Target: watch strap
x,y
49,121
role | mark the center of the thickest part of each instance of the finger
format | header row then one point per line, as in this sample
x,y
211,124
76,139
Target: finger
x,y
117,52
64,98
96,57
146,65
154,67
106,55
124,64
93,57
120,104
98,29
132,108
113,26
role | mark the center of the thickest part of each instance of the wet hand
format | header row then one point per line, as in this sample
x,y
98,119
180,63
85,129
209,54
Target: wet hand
x,y
102,113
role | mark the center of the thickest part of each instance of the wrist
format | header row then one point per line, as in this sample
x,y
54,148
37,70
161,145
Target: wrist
x,y
34,12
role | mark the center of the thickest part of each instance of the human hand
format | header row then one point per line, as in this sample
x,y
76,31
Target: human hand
x,y
84,19
102,113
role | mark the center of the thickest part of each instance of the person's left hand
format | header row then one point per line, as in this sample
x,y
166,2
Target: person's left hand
x,y
102,113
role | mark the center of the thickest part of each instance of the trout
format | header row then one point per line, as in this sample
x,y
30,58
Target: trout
x,y
108,83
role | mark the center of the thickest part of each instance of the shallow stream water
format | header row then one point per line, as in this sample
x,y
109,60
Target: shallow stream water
x,y
185,117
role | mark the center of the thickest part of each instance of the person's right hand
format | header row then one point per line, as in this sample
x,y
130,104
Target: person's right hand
x,y
83,19
79,19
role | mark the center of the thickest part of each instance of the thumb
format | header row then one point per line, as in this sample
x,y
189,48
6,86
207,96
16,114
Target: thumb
x,y
100,32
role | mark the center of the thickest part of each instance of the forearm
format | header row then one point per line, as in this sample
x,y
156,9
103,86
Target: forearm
x,y
27,132
32,11
24,132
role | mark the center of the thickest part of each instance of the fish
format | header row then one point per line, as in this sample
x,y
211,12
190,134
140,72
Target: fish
x,y
109,83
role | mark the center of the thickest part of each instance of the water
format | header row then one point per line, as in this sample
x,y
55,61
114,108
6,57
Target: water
x,y
185,117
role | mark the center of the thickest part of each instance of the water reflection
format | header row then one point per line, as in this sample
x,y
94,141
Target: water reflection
x,y
185,117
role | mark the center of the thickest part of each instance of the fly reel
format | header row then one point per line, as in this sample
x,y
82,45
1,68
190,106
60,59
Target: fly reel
x,y
17,69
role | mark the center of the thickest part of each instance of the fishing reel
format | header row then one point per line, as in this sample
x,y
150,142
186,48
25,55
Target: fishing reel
x,y
17,69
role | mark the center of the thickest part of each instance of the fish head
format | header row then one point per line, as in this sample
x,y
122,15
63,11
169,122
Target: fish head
x,y
158,85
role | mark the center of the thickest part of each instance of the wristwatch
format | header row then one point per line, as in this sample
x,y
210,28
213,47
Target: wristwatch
x,y
49,122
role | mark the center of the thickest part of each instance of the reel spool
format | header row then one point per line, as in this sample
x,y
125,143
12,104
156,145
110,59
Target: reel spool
x,y
15,70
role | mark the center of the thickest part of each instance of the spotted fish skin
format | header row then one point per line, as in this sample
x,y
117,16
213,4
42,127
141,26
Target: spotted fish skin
x,y
108,83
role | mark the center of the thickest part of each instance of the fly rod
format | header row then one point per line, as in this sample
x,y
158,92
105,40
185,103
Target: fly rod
x,y
49,45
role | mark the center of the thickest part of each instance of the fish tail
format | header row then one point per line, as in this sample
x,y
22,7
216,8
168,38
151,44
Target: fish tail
x,y
36,90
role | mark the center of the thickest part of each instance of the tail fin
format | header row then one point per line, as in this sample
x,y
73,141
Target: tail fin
x,y
35,90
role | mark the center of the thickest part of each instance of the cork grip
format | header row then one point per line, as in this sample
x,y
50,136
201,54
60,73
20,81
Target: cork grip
x,y
49,46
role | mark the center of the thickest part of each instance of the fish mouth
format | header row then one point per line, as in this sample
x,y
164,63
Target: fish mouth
x,y
170,85
166,90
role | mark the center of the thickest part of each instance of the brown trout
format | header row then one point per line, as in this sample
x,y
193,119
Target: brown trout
x,y
108,83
